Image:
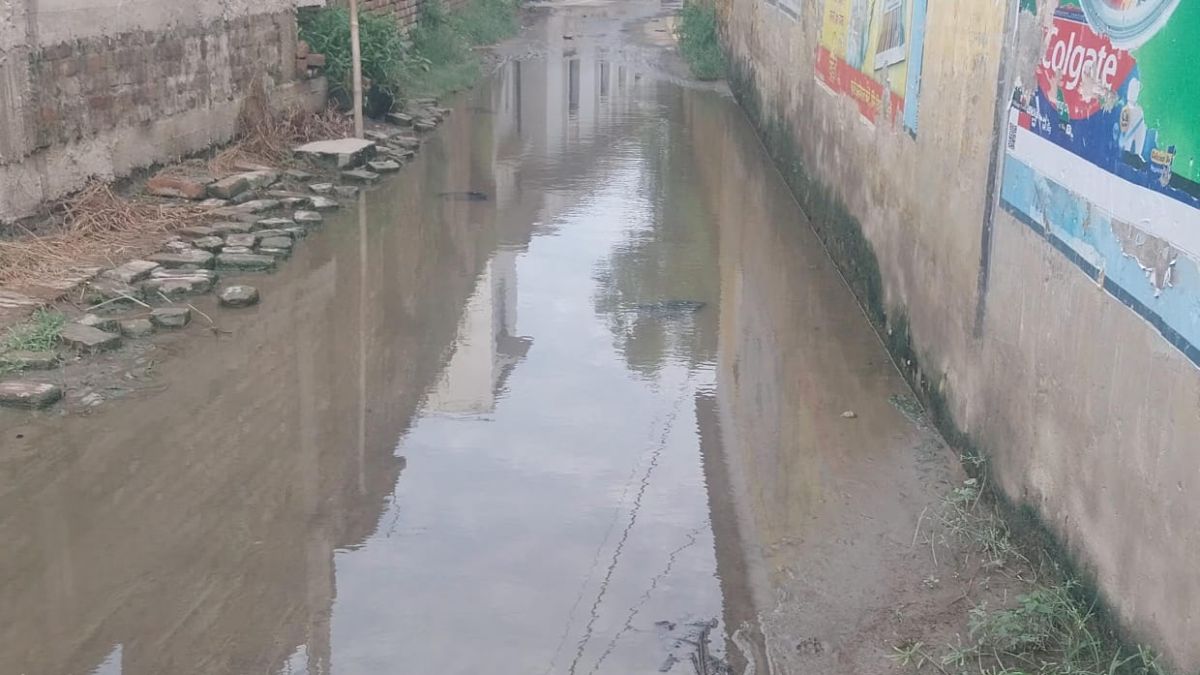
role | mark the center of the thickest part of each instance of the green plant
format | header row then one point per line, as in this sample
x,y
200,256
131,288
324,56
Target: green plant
x,y
327,31
699,42
440,59
485,22
38,334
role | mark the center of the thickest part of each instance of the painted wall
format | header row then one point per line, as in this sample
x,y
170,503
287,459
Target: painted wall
x,y
1020,219
99,88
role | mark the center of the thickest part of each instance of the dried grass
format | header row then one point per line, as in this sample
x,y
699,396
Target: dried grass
x,y
97,225
268,139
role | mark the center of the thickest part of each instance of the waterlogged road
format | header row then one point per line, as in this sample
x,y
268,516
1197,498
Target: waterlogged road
x,y
591,424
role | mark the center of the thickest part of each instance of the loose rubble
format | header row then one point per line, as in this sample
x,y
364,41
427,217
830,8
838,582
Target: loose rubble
x,y
256,218
238,296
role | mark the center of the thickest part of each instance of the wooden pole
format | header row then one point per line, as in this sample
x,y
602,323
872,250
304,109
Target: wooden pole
x,y
356,57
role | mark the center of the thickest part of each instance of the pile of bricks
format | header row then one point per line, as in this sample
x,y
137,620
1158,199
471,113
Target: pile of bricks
x,y
308,62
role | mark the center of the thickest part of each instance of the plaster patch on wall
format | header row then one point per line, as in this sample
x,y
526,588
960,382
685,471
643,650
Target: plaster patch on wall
x,y
1155,256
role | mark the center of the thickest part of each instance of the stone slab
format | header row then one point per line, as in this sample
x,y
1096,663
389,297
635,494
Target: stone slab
x,y
29,395
87,339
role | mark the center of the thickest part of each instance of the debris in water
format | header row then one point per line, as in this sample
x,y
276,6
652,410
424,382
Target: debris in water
x,y
849,414
466,196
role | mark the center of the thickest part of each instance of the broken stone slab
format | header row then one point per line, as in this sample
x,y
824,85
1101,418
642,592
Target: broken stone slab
x,y
246,209
400,119
321,188
284,243
273,223
88,340
176,284
228,187
29,395
297,174
296,231
261,178
245,262
259,205
375,135
398,154
342,153
24,360
194,258
273,232
196,231
230,227
177,245
164,273
248,195
236,240
321,203
238,296
105,323
307,217
174,288
360,176
137,328
405,142
384,166
132,271
284,195
105,289
171,317
177,187
211,244
346,191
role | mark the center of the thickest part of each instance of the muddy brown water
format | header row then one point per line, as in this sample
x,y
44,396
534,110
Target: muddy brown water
x,y
590,423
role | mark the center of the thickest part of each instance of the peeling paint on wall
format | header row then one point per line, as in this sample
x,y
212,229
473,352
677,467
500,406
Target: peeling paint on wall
x,y
872,51
1100,150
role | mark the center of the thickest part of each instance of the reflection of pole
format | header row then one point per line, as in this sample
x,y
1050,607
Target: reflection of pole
x,y
362,342
356,58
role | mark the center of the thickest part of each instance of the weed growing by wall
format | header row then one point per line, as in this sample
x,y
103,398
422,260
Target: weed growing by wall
x,y
1062,626
436,57
699,42
383,50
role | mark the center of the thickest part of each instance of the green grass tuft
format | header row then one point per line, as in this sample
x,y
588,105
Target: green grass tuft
x,y
699,42
38,334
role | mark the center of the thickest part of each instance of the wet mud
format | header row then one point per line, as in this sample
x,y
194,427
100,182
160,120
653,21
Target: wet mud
x,y
591,422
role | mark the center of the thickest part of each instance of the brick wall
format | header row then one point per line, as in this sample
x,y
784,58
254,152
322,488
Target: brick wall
x,y
405,11
90,91
98,84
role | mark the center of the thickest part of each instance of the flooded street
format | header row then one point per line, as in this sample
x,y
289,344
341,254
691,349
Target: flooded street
x,y
565,395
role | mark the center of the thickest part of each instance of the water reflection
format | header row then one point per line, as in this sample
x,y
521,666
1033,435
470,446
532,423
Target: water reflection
x,y
541,430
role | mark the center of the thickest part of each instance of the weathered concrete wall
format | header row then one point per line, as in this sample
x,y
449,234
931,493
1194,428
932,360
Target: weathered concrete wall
x,y
98,88
1022,324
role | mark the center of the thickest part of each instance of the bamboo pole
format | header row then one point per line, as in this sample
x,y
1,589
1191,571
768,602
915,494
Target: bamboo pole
x,y
356,57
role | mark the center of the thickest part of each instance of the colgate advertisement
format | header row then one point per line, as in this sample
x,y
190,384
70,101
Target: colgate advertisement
x,y
1081,68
